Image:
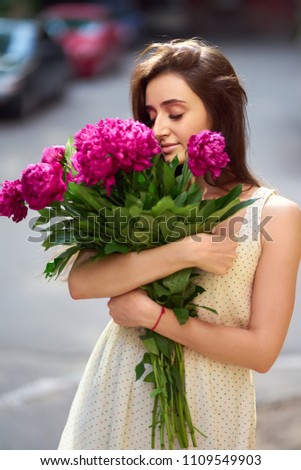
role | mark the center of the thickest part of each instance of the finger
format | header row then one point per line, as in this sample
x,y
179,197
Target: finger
x,y
142,291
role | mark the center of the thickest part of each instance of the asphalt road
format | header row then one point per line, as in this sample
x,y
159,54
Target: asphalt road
x,y
45,336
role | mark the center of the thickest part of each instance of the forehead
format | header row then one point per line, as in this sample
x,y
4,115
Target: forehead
x,y
168,86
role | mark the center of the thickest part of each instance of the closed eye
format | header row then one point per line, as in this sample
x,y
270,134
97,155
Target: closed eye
x,y
174,117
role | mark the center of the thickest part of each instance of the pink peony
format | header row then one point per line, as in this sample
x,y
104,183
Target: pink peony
x,y
42,183
12,201
112,145
53,154
206,153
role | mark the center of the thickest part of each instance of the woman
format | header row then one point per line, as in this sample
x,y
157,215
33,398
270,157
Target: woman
x,y
249,267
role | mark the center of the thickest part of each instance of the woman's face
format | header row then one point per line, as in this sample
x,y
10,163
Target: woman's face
x,y
176,113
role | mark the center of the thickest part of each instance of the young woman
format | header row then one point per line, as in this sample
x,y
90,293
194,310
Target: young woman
x,y
181,88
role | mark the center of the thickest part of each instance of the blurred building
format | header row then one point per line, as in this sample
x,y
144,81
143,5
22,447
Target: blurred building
x,y
220,17
186,18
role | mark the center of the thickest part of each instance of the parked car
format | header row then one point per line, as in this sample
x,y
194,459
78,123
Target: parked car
x,y
33,68
91,40
131,17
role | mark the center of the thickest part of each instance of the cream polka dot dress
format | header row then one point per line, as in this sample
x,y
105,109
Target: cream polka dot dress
x,y
113,411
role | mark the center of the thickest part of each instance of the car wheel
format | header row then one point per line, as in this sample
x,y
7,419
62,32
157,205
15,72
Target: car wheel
x,y
21,106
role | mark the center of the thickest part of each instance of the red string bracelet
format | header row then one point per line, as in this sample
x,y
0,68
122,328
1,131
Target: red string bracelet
x,y
159,318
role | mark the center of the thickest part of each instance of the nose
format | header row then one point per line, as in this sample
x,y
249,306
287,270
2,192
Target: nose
x,y
160,127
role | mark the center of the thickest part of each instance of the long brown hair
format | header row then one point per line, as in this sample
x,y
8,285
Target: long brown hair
x,y
211,76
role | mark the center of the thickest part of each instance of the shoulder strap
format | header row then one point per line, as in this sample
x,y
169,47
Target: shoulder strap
x,y
257,225
263,195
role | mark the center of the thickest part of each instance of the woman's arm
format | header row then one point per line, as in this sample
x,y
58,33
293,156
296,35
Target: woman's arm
x,y
272,302
119,273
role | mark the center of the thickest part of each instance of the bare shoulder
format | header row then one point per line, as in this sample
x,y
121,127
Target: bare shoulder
x,y
280,206
283,218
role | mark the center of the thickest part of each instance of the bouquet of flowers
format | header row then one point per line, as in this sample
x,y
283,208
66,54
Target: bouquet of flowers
x,y
110,190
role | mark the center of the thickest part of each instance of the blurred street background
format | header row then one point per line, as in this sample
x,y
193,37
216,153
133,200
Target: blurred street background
x,y
45,336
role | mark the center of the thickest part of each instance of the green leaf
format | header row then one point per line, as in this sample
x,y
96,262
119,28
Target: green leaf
x,y
195,194
160,290
212,310
188,211
162,205
225,213
175,300
139,369
199,290
237,207
165,345
135,210
50,268
59,237
56,266
180,230
155,392
150,378
45,216
230,196
182,315
147,358
71,208
89,196
141,178
151,196
177,282
193,309
207,208
174,163
150,344
217,215
114,247
183,179
69,148
181,199
168,178
145,223
186,297
132,200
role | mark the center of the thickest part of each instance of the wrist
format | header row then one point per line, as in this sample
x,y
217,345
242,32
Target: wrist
x,y
182,254
152,313
162,311
186,252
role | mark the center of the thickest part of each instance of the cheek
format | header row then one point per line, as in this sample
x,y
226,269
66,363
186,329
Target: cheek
x,y
199,122
201,126
194,130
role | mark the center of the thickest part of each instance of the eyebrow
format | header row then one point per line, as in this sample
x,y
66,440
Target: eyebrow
x,y
166,103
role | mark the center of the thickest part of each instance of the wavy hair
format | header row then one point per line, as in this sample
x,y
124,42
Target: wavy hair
x,y
211,76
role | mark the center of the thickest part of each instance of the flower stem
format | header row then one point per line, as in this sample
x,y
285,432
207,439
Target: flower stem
x,y
171,410
154,421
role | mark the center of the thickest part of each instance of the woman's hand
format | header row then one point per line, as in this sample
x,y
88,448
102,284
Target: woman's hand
x,y
109,277
214,253
134,309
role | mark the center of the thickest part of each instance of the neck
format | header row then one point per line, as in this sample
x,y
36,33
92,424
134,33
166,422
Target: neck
x,y
208,190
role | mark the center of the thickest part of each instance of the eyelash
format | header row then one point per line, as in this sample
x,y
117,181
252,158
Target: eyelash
x,y
173,117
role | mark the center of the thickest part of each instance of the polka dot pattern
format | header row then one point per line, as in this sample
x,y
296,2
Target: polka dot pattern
x,y
111,410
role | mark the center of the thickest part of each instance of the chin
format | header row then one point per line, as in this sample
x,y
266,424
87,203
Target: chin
x,y
169,158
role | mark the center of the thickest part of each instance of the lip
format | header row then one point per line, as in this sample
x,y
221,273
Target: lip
x,y
168,148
